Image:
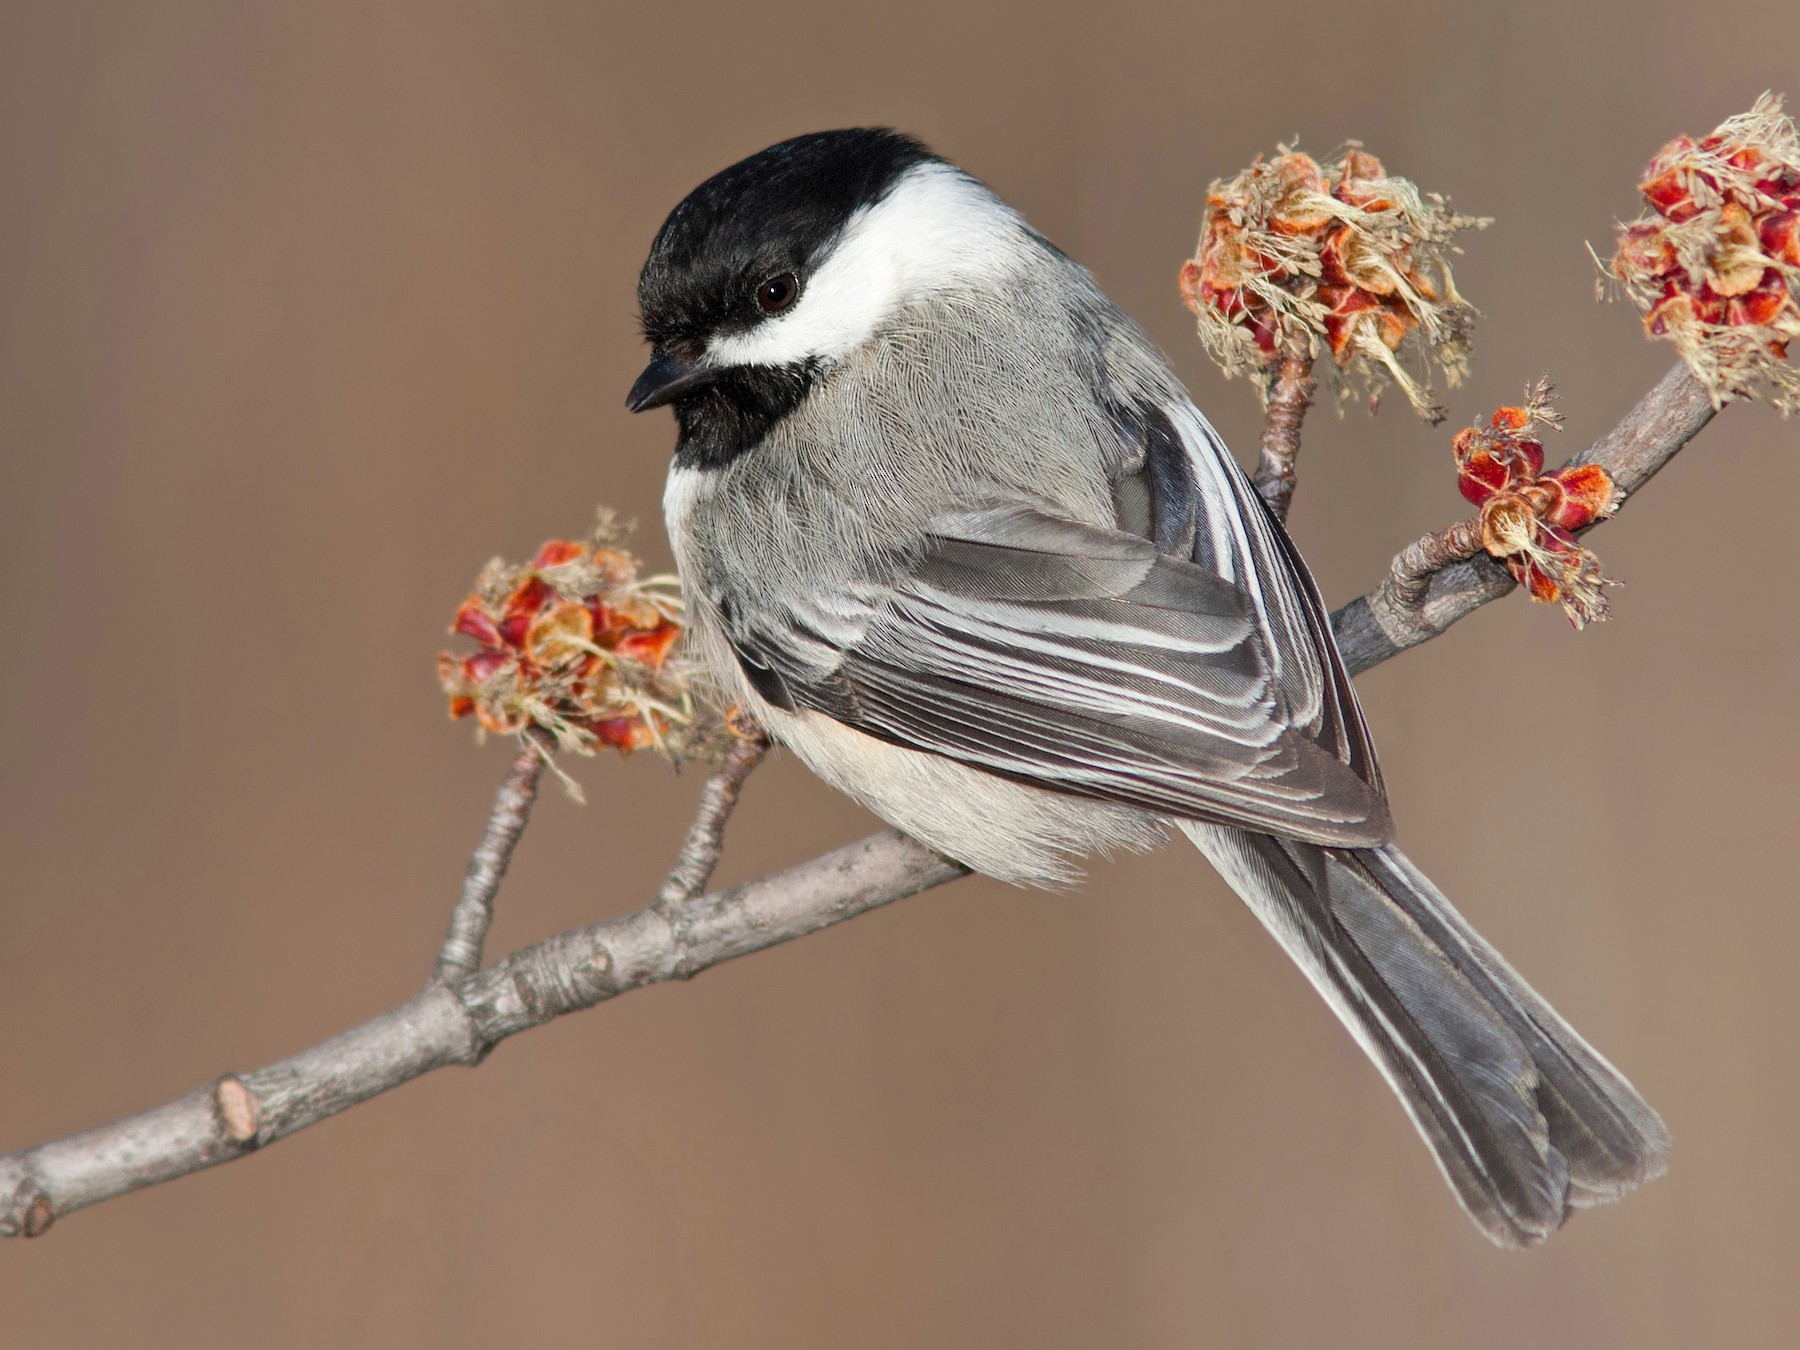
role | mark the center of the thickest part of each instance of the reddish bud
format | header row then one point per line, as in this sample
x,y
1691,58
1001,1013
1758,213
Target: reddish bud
x,y
472,621
1668,193
1586,494
1300,204
527,598
1670,315
624,734
559,552
500,718
1188,282
1527,515
1645,247
650,646
1360,167
1481,475
1768,306
559,632
485,664
1779,235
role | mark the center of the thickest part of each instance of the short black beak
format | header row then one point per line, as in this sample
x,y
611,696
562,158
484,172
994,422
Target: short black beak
x,y
667,378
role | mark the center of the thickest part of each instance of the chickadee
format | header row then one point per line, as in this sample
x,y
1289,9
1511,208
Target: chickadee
x,y
954,533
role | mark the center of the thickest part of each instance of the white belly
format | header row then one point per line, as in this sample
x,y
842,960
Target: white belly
x,y
1026,835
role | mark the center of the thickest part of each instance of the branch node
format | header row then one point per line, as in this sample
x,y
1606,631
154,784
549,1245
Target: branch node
x,y
1414,566
239,1113
1402,605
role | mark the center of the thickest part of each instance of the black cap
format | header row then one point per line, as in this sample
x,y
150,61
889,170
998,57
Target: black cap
x,y
771,213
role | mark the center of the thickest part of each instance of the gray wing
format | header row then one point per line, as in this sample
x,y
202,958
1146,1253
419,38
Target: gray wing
x,y
1190,673
1184,491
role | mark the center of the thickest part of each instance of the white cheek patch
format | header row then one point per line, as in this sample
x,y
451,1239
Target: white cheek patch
x,y
934,229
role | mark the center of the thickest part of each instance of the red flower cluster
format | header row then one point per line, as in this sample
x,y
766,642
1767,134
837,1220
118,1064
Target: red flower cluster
x,y
1715,266
573,642
1342,252
1529,517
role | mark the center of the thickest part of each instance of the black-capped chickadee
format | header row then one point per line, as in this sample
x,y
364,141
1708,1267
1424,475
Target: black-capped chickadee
x,y
952,530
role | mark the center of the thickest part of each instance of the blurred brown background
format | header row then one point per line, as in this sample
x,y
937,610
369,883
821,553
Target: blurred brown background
x,y
306,309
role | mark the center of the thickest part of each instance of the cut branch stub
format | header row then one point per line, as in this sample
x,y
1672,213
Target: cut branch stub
x,y
38,1218
239,1114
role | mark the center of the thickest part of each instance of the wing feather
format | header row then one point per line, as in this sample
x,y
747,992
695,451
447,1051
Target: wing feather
x,y
1083,660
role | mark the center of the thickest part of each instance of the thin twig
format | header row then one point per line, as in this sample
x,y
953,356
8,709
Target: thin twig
x,y
1290,394
706,839
459,1020
706,836
473,913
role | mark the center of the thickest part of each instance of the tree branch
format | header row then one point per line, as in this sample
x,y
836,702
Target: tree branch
x,y
1290,395
473,914
706,836
463,1012
456,1024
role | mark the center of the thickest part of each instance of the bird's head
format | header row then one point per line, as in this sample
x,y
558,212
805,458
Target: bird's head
x,y
775,270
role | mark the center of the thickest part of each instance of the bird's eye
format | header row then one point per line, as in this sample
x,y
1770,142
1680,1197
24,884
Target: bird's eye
x,y
778,293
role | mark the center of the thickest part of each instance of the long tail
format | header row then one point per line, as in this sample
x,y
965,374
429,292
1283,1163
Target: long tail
x,y
1526,1121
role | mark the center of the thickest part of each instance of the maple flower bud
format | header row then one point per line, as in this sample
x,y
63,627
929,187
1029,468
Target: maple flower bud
x,y
1529,517
1714,265
576,643
1343,255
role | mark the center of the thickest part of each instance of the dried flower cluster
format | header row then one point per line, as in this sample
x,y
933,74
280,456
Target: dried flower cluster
x,y
1340,256
575,642
1715,263
1529,517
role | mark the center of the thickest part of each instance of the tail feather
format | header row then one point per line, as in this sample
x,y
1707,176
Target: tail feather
x,y
1526,1120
